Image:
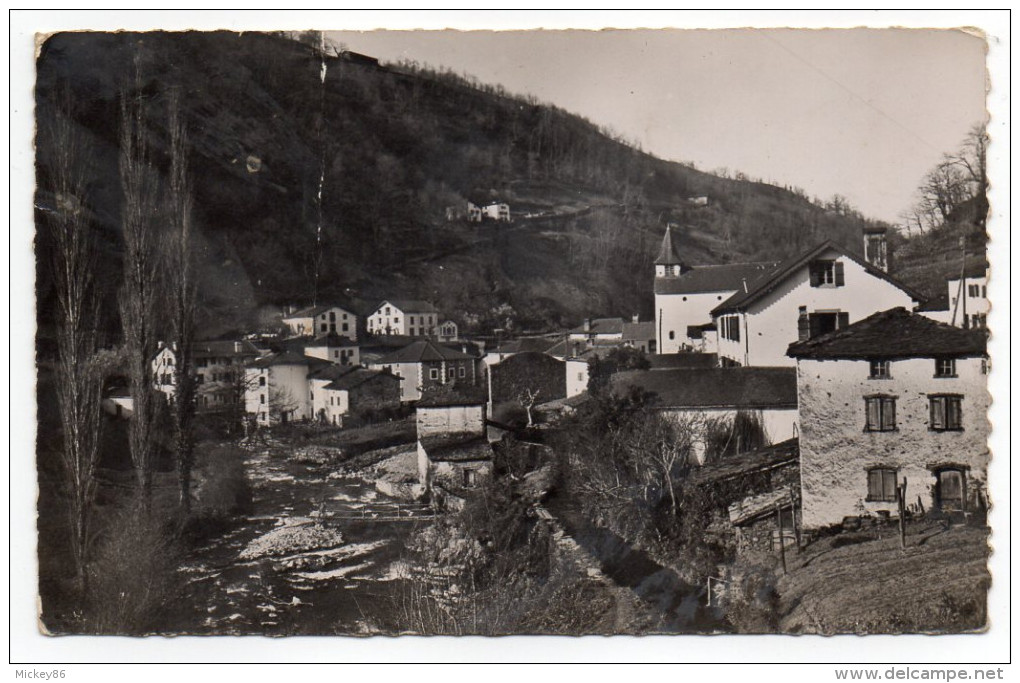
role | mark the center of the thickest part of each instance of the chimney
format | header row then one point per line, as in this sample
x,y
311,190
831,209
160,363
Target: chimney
x,y
876,248
635,318
744,280
587,324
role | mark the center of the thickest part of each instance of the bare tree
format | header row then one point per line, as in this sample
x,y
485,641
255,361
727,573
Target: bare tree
x,y
181,291
138,298
79,380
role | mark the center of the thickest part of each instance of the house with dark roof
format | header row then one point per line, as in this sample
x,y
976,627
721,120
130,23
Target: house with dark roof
x,y
685,295
705,398
891,399
411,317
450,466
331,347
218,368
424,364
823,289
352,390
320,320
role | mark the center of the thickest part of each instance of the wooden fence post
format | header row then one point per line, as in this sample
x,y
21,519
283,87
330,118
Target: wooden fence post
x,y
901,502
796,527
782,545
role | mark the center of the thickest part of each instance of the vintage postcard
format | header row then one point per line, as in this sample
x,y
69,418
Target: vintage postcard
x,y
500,333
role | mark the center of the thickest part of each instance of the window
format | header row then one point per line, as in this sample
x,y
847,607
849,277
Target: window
x,y
826,274
336,354
449,373
945,367
262,381
979,320
880,414
434,373
411,319
672,335
823,322
322,327
986,365
387,310
580,377
879,370
200,378
470,477
882,485
973,291
411,332
946,413
332,316
396,321
460,371
345,327
731,327
984,291
262,399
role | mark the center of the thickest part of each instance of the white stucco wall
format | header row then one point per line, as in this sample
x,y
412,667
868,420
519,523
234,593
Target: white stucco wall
x,y
308,325
286,388
577,377
675,312
409,375
398,322
836,452
974,304
770,325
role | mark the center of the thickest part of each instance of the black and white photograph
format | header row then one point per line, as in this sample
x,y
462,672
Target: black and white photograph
x,y
493,333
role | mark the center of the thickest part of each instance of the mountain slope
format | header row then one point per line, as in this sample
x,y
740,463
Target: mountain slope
x,y
323,178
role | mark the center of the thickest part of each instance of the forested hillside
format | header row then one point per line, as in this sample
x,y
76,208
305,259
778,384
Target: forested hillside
x,y
321,178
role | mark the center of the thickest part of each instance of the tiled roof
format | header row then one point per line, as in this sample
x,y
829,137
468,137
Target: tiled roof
x,y
759,460
601,326
705,279
767,282
460,447
408,306
453,395
896,333
331,340
758,506
525,344
667,253
746,388
422,351
357,377
287,358
223,348
331,372
639,331
312,311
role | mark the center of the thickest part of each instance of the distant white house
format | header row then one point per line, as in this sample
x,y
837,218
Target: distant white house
x,y
968,300
218,368
318,320
894,397
488,210
410,317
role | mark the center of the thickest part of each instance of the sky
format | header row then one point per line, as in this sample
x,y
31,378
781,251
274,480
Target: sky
x,y
864,113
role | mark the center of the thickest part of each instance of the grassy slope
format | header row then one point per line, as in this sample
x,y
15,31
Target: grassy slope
x,y
939,583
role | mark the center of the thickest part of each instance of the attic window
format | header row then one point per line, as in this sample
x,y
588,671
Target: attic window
x,y
945,367
827,273
880,370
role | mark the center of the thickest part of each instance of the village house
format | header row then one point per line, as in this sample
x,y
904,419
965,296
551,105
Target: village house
x,y
405,317
478,211
329,347
893,397
319,320
966,301
424,364
822,290
353,391
218,368
685,296
528,377
454,454
640,335
277,387
708,397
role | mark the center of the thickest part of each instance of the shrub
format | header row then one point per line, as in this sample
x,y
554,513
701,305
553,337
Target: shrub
x,y
133,578
222,488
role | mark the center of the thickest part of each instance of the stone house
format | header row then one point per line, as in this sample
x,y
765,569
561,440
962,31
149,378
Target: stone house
x,y
893,397
218,367
404,317
356,389
425,365
320,320
456,410
530,371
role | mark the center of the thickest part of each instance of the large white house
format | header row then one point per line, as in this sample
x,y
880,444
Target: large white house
x,y
404,316
319,320
823,289
893,397
686,295
277,387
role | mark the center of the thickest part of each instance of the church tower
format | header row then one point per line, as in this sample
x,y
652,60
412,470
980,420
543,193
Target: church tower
x,y
667,263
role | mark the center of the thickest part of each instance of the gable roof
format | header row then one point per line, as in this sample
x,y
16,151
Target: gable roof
x,y
767,282
601,326
744,388
686,359
331,372
287,358
358,376
457,447
667,253
453,396
223,348
331,340
639,331
408,305
422,351
728,277
896,333
759,460
525,344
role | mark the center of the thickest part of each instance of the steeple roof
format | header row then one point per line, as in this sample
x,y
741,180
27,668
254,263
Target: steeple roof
x,y
667,254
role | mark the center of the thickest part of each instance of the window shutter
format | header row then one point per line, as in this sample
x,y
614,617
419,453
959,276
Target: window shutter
x,y
840,280
871,413
843,320
803,327
937,413
888,413
889,484
955,417
875,485
816,276
736,328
